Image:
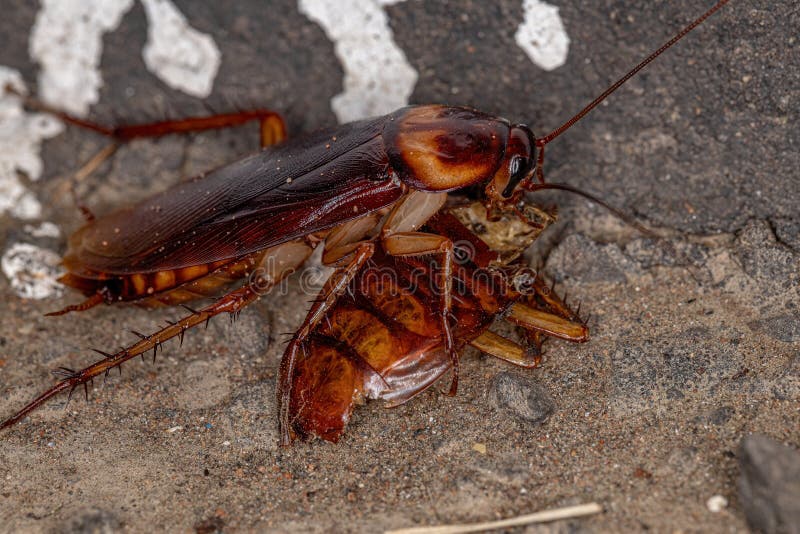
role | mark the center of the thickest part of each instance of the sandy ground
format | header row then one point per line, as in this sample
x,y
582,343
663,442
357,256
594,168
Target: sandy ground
x,y
690,351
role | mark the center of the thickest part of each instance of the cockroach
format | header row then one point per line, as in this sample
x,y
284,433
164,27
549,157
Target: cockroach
x,y
381,339
266,213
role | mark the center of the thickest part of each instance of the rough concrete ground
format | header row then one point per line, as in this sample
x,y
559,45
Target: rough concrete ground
x,y
695,344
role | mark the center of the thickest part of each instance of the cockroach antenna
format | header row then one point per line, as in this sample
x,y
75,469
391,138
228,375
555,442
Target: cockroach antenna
x,y
537,170
540,142
592,198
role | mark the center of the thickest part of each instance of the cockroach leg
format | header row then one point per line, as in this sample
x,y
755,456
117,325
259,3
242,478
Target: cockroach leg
x,y
506,350
230,303
334,287
90,302
87,169
400,238
345,238
272,130
553,325
272,127
288,257
549,296
94,162
420,244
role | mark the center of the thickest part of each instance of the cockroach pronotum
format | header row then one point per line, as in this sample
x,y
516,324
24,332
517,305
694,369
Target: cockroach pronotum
x,y
258,219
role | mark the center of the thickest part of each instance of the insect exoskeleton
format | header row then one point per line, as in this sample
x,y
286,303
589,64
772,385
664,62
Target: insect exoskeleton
x,y
382,339
445,148
368,190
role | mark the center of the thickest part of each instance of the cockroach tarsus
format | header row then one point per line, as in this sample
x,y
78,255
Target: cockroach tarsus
x,y
364,189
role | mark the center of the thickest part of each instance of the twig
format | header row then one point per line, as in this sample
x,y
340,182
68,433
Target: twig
x,y
569,512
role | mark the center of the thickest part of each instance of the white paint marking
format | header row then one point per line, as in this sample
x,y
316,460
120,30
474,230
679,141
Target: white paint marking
x,y
378,78
45,229
542,35
21,136
182,57
67,41
32,271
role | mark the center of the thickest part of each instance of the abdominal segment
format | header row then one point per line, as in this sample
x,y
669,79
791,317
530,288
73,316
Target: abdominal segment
x,y
383,339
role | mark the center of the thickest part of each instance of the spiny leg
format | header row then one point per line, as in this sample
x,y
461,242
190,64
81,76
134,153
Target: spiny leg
x,y
333,289
400,237
231,303
541,314
557,304
503,348
420,244
551,324
272,130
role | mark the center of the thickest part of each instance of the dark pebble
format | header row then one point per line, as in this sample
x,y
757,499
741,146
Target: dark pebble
x,y
522,397
769,486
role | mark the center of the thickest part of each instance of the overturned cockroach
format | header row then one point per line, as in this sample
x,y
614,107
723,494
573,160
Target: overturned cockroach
x,y
258,219
382,339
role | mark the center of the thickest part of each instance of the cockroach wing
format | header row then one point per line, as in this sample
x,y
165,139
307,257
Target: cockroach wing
x,y
330,379
279,194
327,382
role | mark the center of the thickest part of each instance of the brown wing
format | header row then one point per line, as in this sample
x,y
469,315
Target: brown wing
x,y
331,379
271,197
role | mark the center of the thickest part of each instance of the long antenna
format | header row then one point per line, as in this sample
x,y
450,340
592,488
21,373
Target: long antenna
x,y
624,217
561,129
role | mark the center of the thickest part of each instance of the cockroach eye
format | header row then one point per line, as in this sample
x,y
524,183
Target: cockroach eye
x,y
517,169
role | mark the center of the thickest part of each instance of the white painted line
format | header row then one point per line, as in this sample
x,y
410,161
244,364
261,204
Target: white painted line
x,y
378,78
21,136
32,271
45,229
182,57
66,40
542,35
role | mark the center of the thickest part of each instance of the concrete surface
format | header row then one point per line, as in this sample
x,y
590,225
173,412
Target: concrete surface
x,y
691,351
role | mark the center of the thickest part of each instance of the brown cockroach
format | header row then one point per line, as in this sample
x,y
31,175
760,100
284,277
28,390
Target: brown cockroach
x,y
259,218
381,339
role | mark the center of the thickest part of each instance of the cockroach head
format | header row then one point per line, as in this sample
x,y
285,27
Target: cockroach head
x,y
518,166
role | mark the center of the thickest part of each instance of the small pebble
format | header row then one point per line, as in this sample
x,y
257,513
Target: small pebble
x,y
716,503
479,447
